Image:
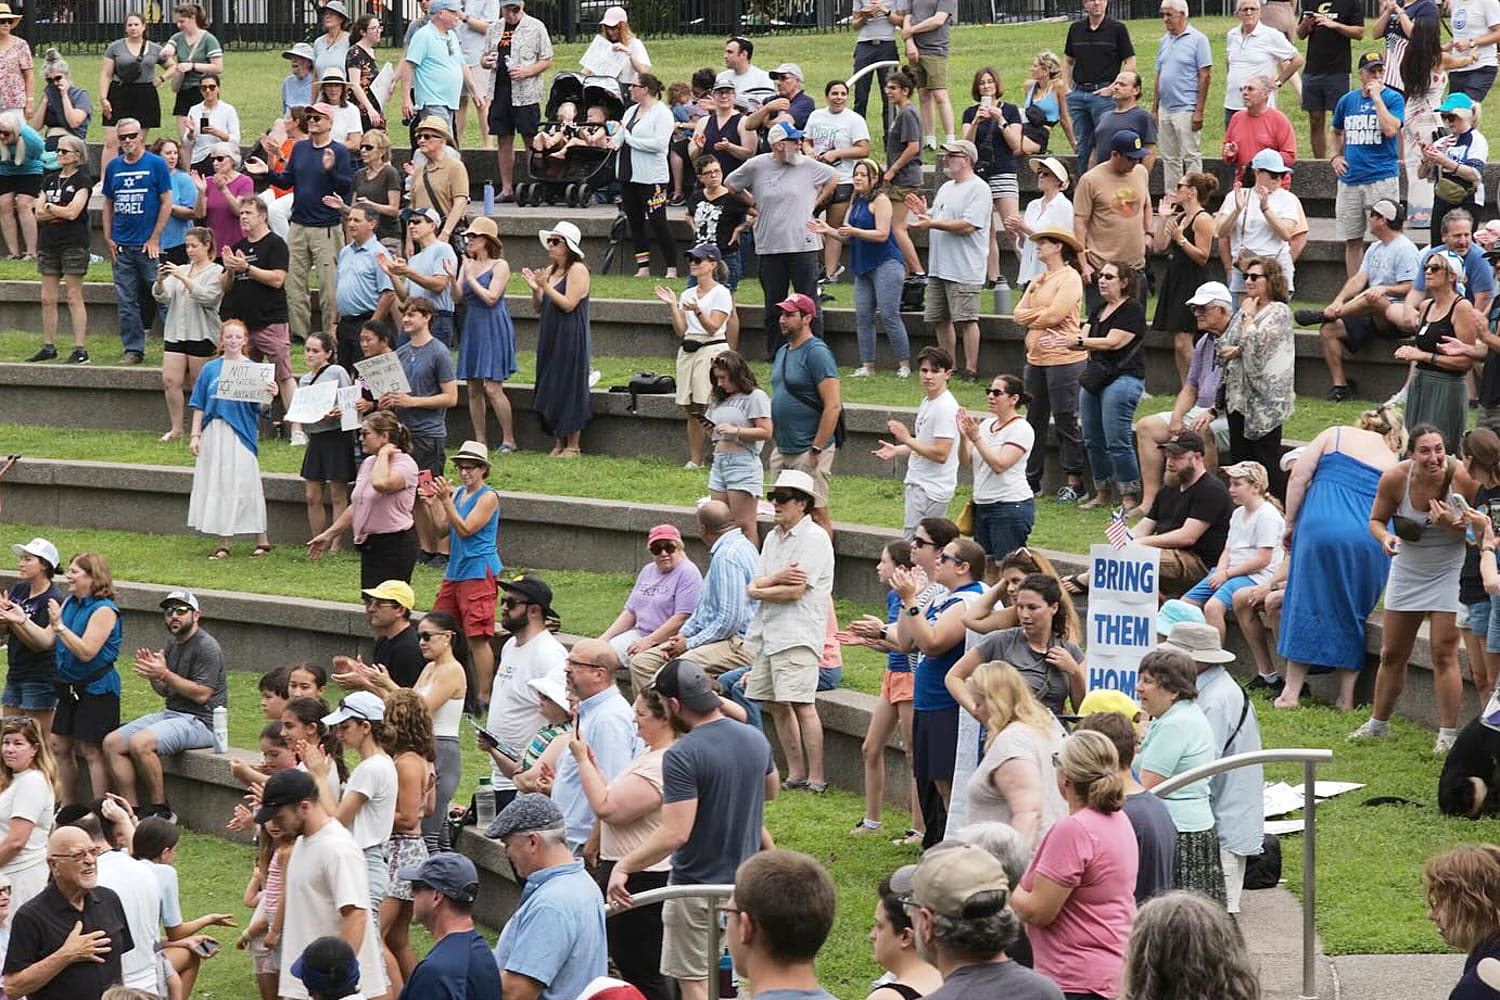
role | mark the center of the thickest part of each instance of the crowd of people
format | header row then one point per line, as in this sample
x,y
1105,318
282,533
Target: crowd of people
x,y
1051,867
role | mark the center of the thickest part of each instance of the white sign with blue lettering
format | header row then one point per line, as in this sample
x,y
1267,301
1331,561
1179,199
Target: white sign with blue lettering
x,y
1122,613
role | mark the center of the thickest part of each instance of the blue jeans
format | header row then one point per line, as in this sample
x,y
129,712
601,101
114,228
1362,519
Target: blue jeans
x,y
1086,110
134,272
733,684
878,290
432,110
1002,527
1107,433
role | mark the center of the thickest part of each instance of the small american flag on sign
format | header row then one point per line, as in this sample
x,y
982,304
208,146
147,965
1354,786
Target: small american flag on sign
x,y
1118,534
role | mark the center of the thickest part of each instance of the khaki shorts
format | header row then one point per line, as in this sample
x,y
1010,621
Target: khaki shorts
x,y
684,940
930,72
694,379
819,466
1180,569
789,676
950,302
1351,206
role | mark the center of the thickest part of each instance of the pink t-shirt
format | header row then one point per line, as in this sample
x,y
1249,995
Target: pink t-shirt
x,y
219,217
377,513
1094,854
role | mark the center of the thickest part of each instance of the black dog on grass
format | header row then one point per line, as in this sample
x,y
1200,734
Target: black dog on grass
x,y
1470,782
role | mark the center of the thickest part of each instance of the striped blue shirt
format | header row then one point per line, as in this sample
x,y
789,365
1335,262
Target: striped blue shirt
x,y
724,606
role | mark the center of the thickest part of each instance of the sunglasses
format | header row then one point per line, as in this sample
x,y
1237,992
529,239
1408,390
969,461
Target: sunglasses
x,y
514,602
176,611
60,79
218,157
127,136
918,542
429,135
208,86
366,148
997,392
553,241
428,636
955,560
1256,275
779,497
662,548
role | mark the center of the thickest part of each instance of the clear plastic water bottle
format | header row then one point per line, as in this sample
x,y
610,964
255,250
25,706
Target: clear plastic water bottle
x,y
484,803
489,199
221,729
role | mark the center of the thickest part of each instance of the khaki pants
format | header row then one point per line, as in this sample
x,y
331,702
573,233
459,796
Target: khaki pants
x,y
1178,145
714,657
310,247
1179,571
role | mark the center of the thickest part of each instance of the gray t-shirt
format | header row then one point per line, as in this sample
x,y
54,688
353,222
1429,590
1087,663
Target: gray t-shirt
x,y
126,62
785,195
742,410
201,661
722,766
961,258
934,42
905,128
328,373
1048,684
1156,843
989,980
878,28
427,368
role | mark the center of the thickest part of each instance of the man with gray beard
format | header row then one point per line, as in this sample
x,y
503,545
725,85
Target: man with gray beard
x,y
788,188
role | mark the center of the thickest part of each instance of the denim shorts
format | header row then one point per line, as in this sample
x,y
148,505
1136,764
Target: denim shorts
x,y
174,731
30,696
1202,593
1484,621
737,470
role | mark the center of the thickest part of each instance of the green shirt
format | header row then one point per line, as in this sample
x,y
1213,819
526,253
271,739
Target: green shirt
x,y
1179,741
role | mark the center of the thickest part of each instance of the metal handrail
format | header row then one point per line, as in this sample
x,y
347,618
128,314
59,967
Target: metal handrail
x,y
713,893
1309,759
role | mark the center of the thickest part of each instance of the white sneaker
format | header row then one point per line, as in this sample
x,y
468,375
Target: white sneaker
x,y
861,373
1442,744
1371,730
691,465
903,372
299,438
594,377
1399,399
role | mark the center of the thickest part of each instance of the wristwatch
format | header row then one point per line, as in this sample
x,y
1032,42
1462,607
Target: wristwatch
x,y
914,610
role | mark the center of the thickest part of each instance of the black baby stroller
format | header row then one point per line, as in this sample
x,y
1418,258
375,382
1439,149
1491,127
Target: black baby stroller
x,y
584,166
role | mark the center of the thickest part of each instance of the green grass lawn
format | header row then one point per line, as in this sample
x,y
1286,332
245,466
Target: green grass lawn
x,y
253,78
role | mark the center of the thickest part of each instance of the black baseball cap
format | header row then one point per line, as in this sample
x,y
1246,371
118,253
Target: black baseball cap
x,y
686,681
285,788
1183,442
533,588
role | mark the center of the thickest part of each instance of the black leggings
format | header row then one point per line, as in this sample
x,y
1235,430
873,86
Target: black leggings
x,y
1265,450
635,935
646,208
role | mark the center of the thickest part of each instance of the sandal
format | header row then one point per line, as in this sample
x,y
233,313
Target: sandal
x,y
261,550
794,783
570,453
222,552
1094,503
913,838
817,787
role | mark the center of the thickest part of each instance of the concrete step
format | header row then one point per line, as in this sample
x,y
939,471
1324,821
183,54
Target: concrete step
x,y
642,328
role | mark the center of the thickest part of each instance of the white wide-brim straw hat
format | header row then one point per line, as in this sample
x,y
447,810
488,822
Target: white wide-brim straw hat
x,y
568,233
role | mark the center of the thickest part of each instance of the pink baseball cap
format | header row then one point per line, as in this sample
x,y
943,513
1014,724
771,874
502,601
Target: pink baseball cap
x,y
325,109
667,531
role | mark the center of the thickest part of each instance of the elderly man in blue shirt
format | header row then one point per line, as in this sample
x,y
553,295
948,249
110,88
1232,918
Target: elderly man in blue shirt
x,y
1184,64
1239,808
605,723
713,637
554,944
364,288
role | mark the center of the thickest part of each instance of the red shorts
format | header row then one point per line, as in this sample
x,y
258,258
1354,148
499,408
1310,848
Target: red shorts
x,y
470,602
273,344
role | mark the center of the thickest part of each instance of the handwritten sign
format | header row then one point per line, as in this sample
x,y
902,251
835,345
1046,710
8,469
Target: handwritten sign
x,y
312,403
246,381
349,417
383,373
1122,614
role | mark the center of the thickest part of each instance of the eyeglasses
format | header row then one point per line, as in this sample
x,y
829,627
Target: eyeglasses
x,y
514,602
429,636
375,602
585,663
1254,275
79,857
724,913
662,548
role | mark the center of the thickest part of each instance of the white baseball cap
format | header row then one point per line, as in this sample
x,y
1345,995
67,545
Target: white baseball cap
x,y
39,547
1210,292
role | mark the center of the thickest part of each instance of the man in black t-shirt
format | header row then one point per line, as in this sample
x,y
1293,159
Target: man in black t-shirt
x,y
1329,26
388,608
1098,48
254,283
1190,518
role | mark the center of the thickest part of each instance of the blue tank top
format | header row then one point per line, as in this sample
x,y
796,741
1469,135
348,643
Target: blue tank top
x,y
75,615
930,693
1048,104
474,557
896,663
865,256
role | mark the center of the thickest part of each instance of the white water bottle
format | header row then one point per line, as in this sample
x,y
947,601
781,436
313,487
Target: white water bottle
x,y
484,803
221,729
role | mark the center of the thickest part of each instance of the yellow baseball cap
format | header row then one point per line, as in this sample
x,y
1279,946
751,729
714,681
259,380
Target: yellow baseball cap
x,y
393,590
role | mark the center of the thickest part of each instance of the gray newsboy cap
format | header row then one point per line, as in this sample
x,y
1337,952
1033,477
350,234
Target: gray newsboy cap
x,y
525,814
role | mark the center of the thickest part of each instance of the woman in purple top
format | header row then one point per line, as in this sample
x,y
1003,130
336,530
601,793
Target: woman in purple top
x,y
221,192
665,592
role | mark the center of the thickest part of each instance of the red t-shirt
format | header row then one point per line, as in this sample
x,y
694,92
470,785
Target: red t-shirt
x,y
1252,133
